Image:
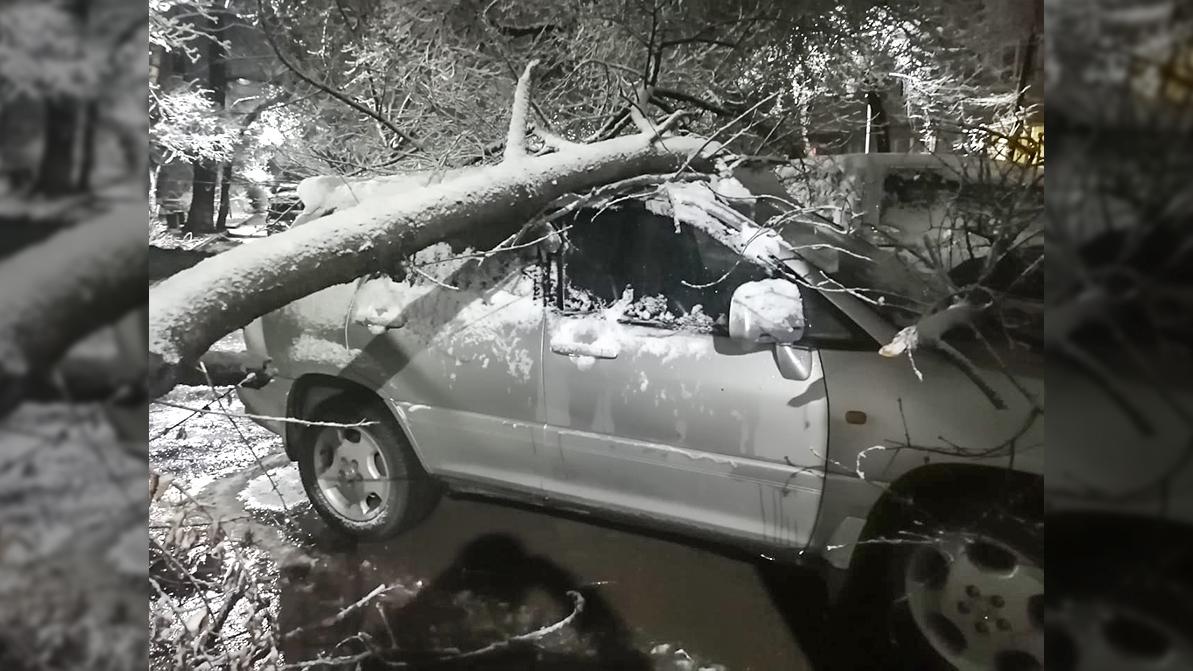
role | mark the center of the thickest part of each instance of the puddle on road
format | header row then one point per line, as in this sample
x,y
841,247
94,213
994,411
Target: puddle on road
x,y
476,573
277,490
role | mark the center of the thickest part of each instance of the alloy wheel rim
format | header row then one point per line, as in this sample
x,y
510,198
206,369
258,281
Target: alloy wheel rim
x,y
353,474
1090,634
978,602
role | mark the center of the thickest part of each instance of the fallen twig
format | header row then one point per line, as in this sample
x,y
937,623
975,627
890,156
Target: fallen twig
x,y
268,418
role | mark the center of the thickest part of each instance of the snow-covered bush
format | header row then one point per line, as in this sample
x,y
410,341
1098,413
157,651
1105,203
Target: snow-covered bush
x,y
42,53
189,125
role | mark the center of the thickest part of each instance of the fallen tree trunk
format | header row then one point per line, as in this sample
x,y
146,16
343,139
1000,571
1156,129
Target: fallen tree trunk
x,y
193,309
57,291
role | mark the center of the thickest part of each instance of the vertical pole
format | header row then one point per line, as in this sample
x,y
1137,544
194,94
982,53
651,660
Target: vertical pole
x,y
869,124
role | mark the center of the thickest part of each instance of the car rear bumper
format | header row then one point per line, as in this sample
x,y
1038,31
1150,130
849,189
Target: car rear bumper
x,y
267,405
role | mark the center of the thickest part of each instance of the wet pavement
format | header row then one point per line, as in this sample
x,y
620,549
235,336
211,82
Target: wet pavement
x,y
478,572
484,571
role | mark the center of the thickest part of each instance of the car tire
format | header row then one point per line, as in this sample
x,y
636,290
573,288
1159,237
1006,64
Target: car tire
x,y
1125,600
364,481
959,585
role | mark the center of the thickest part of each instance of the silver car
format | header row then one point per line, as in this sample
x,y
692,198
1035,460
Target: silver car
x,y
691,357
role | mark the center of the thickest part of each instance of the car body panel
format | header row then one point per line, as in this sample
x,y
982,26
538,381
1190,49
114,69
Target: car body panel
x,y
1131,455
687,426
307,336
461,358
944,416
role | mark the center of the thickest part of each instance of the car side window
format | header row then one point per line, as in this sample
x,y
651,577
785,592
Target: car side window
x,y
672,277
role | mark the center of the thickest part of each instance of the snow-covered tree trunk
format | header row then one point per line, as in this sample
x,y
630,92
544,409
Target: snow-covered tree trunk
x,y
196,307
61,289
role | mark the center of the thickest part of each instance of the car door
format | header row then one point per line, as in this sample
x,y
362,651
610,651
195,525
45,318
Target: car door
x,y
653,409
456,346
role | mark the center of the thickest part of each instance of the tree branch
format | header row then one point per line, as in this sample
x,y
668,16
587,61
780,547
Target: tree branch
x,y
638,112
293,67
692,100
65,288
515,140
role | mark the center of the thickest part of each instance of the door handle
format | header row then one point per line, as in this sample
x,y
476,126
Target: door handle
x,y
594,350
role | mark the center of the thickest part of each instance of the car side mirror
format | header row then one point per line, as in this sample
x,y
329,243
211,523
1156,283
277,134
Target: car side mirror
x,y
767,311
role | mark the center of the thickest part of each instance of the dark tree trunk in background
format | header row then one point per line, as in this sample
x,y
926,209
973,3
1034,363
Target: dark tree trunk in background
x,y
221,220
65,154
880,124
56,172
217,80
209,178
1025,70
201,216
87,160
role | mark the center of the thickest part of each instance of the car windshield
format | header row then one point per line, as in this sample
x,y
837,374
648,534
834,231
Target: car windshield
x,y
890,283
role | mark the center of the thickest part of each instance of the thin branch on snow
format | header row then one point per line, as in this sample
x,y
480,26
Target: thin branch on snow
x,y
269,418
344,612
446,656
218,399
431,278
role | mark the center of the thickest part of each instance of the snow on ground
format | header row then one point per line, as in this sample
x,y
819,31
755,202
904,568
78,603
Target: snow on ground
x,y
196,449
71,503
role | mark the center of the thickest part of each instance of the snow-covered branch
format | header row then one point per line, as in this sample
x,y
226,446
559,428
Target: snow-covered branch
x,y
929,332
515,141
65,288
196,307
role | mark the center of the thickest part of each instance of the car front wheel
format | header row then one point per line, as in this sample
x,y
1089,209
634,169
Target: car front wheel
x,y
359,471
976,600
951,580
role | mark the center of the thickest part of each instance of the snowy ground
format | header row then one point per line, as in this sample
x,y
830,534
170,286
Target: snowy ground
x,y
72,540
476,572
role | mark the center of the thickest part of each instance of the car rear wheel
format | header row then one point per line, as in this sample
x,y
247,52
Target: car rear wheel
x,y
362,477
1125,600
